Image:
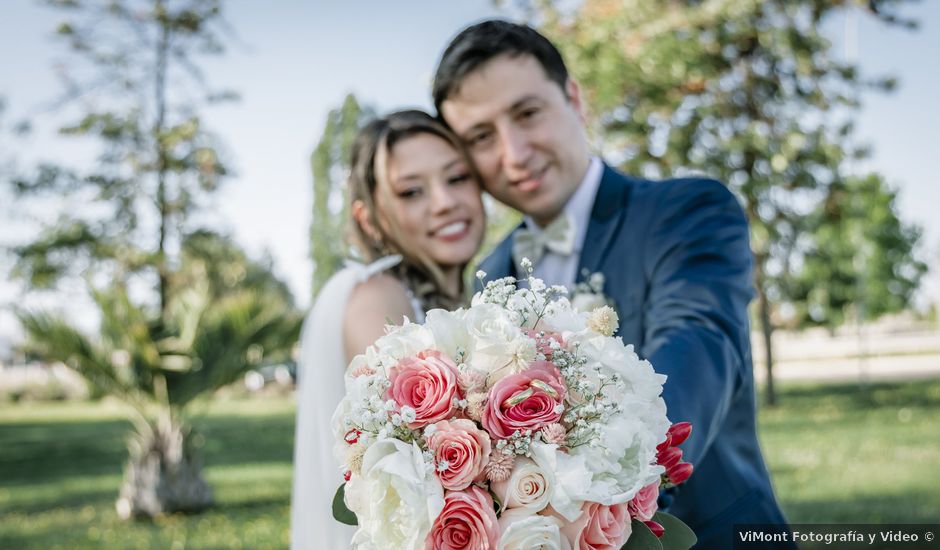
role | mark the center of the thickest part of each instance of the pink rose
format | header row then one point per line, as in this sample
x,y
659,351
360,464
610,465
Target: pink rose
x,y
468,520
464,448
599,527
427,383
644,504
524,401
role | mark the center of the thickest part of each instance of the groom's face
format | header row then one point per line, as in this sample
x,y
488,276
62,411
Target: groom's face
x,y
525,133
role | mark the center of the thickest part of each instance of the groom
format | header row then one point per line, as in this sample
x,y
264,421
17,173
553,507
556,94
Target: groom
x,y
674,254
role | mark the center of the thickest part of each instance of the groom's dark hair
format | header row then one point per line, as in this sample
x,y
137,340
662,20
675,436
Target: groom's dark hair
x,y
483,41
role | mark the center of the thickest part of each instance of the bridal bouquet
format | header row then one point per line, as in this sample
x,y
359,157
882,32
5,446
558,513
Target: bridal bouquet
x,y
517,423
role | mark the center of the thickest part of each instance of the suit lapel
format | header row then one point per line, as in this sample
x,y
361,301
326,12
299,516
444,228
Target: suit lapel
x,y
498,263
607,216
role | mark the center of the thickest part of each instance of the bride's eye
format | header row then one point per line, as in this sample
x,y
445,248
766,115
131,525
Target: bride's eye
x,y
409,193
458,178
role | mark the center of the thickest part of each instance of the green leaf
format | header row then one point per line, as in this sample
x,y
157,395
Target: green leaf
x,y
341,513
678,535
641,538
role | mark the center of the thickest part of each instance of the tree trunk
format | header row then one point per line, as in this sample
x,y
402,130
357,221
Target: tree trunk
x,y
763,305
163,473
163,46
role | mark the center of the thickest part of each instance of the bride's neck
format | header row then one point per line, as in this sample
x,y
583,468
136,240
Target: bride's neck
x,y
452,280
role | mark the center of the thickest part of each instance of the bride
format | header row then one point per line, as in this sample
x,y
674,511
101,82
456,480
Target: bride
x,y
417,220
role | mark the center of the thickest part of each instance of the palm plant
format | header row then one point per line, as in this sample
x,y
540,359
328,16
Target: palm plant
x,y
225,316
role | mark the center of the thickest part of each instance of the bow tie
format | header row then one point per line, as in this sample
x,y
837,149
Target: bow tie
x,y
557,236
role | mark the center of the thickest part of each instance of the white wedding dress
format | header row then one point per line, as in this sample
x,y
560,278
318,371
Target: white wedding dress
x,y
320,387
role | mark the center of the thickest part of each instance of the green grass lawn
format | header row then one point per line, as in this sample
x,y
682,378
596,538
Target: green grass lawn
x,y
62,465
837,455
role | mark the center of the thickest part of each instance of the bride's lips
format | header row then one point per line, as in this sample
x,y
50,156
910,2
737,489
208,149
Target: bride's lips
x,y
453,231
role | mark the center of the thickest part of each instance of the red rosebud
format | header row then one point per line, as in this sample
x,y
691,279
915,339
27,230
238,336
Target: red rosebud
x,y
679,473
352,436
656,528
669,457
665,444
347,475
679,432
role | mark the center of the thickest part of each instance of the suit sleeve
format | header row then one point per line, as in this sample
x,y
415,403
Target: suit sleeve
x,y
699,265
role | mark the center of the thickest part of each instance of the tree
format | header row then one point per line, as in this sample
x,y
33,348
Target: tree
x,y
747,92
133,78
183,311
862,251
226,314
330,165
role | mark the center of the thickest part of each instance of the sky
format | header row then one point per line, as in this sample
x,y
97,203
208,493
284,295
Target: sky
x,y
295,60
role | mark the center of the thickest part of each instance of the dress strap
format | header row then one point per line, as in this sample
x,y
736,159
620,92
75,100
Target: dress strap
x,y
363,272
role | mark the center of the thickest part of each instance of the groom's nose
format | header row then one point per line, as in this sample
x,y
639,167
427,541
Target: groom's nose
x,y
516,149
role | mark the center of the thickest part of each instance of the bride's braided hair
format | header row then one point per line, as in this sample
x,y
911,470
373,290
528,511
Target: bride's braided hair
x,y
368,163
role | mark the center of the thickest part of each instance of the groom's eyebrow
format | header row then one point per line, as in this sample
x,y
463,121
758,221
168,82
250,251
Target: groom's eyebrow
x,y
526,102
487,124
516,105
520,103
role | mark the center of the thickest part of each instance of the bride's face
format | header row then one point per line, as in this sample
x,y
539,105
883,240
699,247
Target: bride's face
x,y
432,200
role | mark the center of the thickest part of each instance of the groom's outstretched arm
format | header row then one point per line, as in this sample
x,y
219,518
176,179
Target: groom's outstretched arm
x,y
699,264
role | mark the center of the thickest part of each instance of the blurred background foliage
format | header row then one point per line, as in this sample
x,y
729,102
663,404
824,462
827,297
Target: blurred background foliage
x,y
183,311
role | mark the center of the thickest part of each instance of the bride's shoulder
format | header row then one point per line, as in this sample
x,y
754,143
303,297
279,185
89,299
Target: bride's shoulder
x,y
381,292
378,293
373,303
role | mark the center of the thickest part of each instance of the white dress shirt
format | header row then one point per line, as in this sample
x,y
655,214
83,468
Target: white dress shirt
x,y
554,268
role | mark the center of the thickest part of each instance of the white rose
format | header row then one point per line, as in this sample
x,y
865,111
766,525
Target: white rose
x,y
587,301
449,330
570,475
529,486
638,375
498,347
523,530
398,343
561,317
624,462
352,408
396,499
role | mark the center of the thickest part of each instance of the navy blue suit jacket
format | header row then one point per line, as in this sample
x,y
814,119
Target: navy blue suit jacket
x,y
677,263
